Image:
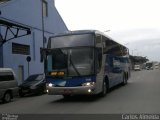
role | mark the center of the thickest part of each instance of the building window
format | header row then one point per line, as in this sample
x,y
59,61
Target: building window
x,y
20,49
45,8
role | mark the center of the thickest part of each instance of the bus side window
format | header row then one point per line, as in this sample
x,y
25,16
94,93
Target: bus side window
x,y
116,62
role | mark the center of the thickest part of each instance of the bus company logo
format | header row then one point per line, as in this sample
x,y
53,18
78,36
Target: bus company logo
x,y
9,117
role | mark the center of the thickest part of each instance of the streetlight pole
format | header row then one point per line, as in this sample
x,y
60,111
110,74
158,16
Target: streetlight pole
x,y
107,30
126,43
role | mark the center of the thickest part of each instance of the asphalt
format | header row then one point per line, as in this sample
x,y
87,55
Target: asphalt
x,y
140,95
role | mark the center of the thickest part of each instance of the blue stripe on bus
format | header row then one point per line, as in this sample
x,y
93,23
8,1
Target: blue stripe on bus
x,y
73,82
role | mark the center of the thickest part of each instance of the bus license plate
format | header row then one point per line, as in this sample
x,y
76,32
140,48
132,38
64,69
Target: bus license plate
x,y
68,91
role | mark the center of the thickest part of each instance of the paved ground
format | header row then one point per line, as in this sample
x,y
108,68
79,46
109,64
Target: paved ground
x,y
140,95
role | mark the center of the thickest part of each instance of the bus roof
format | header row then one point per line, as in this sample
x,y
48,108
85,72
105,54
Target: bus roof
x,y
75,32
84,32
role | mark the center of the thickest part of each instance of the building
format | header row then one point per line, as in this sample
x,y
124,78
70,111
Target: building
x,y
42,22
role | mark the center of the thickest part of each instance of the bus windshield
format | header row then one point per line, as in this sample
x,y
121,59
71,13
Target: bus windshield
x,y
72,41
72,61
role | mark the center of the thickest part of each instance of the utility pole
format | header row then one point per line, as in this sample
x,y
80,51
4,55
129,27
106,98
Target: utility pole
x,y
43,24
42,2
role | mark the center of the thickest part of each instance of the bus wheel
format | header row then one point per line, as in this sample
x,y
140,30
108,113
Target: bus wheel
x,y
124,80
7,97
105,89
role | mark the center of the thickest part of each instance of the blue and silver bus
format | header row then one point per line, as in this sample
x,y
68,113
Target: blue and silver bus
x,y
85,62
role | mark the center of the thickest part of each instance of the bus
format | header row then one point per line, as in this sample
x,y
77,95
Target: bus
x,y
85,62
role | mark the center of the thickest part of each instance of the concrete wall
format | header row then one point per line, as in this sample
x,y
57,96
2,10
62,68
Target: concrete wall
x,y
28,12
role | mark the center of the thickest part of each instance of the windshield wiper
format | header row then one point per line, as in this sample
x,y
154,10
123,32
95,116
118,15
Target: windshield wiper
x,y
74,66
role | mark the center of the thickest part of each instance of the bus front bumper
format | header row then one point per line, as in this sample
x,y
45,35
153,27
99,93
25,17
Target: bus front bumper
x,y
80,90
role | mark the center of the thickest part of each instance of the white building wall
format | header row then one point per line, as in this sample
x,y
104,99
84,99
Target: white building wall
x,y
28,12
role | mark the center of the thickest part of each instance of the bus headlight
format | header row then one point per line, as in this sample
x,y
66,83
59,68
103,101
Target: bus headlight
x,y
50,85
89,90
88,84
47,91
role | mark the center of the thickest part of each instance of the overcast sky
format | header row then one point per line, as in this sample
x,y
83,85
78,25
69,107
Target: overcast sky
x,y
134,23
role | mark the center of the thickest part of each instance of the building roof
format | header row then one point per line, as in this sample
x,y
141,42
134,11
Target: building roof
x,y
10,25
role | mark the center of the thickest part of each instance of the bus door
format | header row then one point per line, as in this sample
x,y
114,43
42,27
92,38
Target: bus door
x,y
109,70
117,70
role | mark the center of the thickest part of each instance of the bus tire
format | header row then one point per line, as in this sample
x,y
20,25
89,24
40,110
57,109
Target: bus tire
x,y
104,89
124,80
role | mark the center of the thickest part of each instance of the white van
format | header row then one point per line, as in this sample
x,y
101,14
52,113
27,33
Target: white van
x,y
8,84
137,67
156,66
